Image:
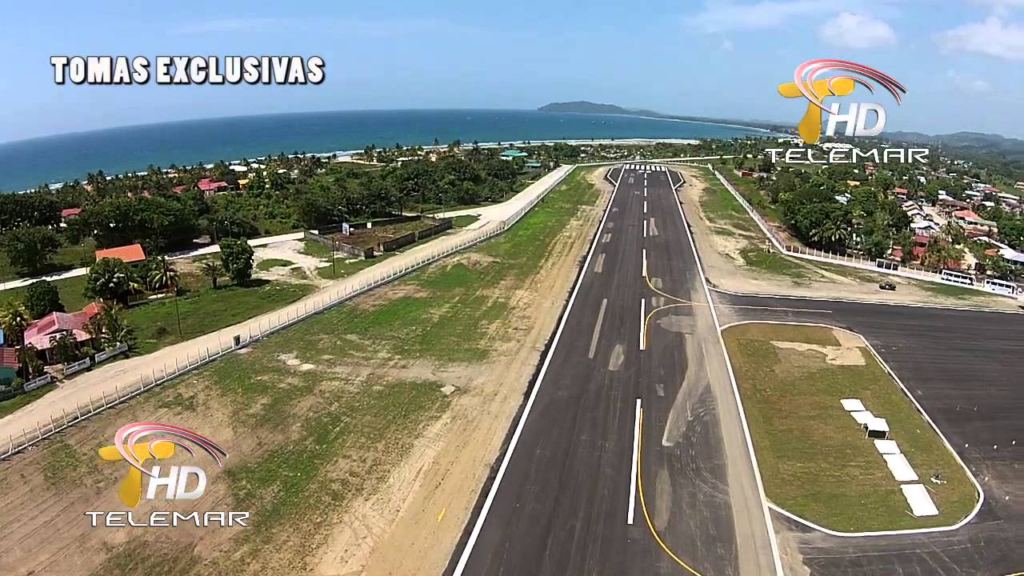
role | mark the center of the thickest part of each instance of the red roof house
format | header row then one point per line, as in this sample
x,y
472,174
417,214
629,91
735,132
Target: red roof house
x,y
208,186
179,189
901,192
127,254
38,333
70,212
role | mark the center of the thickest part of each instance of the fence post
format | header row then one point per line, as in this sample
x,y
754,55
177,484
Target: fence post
x,y
117,393
142,385
39,432
65,412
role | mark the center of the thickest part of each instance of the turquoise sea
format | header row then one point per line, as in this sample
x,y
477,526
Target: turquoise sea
x,y
26,164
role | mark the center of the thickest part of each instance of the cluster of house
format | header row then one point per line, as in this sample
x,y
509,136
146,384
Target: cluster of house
x,y
43,332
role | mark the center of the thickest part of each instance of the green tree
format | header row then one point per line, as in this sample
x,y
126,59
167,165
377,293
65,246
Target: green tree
x,y
163,275
14,319
30,249
42,298
110,280
65,348
109,328
31,365
212,270
237,257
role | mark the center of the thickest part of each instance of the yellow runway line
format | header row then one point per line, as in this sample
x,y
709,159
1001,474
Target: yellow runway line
x,y
643,504
441,515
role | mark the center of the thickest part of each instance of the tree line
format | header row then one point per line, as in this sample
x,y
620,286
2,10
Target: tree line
x,y
281,193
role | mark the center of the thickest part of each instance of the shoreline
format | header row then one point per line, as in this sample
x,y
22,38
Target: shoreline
x,y
346,155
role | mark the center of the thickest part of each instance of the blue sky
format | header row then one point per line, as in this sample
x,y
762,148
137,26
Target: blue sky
x,y
961,60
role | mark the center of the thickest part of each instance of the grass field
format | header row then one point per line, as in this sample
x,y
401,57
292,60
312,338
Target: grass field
x,y
463,221
814,458
207,310
12,405
951,291
721,207
269,263
311,440
774,263
67,257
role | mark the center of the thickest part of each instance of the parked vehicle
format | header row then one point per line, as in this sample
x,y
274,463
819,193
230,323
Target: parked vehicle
x,y
887,286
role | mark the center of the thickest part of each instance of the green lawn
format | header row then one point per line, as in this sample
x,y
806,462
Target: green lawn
x,y
14,404
316,249
951,291
71,293
207,310
463,221
66,258
773,262
318,438
269,263
814,458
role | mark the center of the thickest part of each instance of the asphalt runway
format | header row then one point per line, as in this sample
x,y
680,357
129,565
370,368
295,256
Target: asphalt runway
x,y
966,369
563,501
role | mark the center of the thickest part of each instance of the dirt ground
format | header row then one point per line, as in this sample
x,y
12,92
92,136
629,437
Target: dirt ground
x,y
291,251
408,522
720,247
411,525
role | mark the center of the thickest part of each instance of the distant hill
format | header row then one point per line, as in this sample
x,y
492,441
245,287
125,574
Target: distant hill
x,y
972,143
585,107
964,140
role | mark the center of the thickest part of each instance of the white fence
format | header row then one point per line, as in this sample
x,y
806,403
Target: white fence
x,y
165,373
905,270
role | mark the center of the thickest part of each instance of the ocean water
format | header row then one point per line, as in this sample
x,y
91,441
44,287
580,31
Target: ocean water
x,y
28,163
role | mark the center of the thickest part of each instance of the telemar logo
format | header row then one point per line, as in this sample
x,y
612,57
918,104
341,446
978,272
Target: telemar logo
x,y
164,440
814,81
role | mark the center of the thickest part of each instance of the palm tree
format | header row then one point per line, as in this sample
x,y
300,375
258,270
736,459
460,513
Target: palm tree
x,y
163,275
213,270
14,319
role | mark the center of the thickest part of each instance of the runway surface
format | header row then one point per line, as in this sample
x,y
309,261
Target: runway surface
x,y
565,500
966,369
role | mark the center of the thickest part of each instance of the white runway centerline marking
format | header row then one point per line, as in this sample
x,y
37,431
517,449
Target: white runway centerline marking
x,y
645,227
643,316
597,328
644,270
632,474
645,206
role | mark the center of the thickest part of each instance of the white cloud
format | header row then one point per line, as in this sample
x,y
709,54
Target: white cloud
x,y
971,85
991,37
726,45
849,30
720,17
1001,7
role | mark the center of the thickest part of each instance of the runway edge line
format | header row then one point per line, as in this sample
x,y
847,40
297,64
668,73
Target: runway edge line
x,y
769,525
478,526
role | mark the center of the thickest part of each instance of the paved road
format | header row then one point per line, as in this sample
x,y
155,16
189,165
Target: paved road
x,y
214,249
562,505
966,369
